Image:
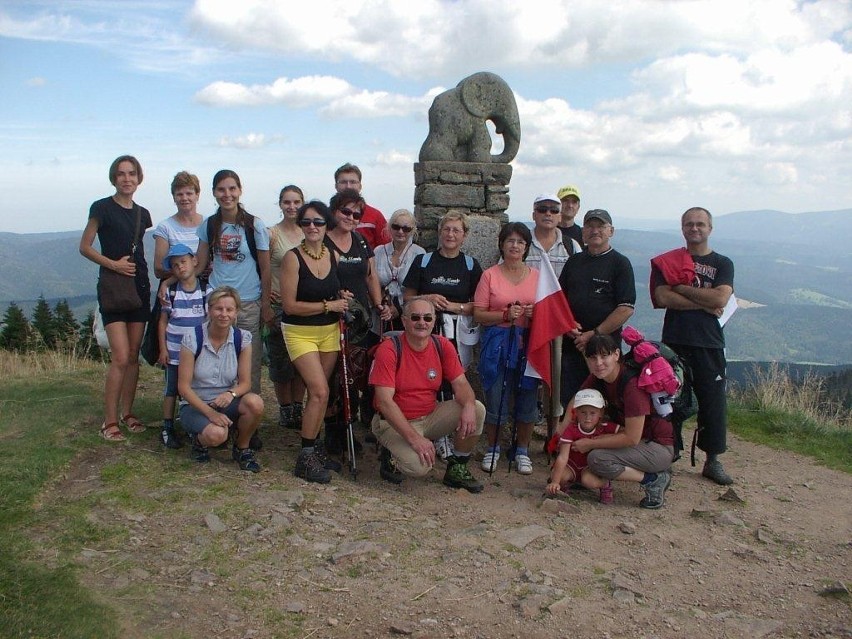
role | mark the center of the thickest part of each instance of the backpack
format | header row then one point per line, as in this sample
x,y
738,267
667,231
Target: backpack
x,y
199,340
248,227
150,349
424,261
568,241
397,344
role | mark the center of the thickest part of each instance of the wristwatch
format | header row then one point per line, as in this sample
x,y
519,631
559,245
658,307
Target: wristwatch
x,y
233,394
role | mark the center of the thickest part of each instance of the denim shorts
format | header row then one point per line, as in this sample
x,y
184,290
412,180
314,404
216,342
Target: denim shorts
x,y
194,421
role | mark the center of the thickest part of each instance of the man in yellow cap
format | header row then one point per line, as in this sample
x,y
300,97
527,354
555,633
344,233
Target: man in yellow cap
x,y
569,197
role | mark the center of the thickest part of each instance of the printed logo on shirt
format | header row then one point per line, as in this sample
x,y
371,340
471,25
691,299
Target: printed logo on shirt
x,y
432,373
446,281
348,259
705,275
229,248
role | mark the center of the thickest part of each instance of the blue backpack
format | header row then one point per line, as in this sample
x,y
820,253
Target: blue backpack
x,y
199,340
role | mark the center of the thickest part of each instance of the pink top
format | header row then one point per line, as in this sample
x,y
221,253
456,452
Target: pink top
x,y
495,292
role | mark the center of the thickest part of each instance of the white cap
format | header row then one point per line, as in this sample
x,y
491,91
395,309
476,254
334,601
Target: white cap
x,y
546,197
589,397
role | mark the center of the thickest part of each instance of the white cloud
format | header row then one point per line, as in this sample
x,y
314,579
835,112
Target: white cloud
x,y
247,141
395,158
36,82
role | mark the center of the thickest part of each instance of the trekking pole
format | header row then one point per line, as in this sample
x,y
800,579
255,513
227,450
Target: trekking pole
x,y
519,378
502,393
346,382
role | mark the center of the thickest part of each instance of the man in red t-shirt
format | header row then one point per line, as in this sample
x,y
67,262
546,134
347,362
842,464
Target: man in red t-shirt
x,y
406,374
372,224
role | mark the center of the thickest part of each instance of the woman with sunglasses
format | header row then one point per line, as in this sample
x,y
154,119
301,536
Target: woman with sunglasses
x,y
283,237
357,269
393,261
504,305
312,301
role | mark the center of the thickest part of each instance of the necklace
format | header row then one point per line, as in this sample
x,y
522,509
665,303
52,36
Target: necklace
x,y
313,256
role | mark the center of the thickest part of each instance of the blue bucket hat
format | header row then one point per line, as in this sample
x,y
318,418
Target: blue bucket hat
x,y
176,251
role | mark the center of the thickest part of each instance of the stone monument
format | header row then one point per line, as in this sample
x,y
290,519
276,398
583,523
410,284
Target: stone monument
x,y
456,168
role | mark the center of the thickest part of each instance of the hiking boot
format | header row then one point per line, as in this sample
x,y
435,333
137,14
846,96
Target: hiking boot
x,y
606,496
655,491
169,438
489,460
322,455
310,468
246,459
714,471
297,416
254,442
443,447
198,453
387,468
285,415
458,475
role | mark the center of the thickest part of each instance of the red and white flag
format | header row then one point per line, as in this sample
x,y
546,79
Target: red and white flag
x,y
551,317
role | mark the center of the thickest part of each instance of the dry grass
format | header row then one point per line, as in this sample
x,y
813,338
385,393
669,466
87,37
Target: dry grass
x,y
773,389
31,364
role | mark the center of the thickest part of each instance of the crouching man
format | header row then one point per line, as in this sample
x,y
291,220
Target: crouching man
x,y
407,373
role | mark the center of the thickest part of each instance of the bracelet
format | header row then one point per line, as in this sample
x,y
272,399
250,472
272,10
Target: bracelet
x,y
324,306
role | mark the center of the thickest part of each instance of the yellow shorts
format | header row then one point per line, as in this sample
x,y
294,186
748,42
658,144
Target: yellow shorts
x,y
310,339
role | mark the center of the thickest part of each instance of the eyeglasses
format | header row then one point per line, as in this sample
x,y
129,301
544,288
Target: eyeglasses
x,y
402,227
515,242
547,209
416,317
449,230
355,214
316,221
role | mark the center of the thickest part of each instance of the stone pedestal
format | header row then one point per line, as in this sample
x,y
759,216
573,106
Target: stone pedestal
x,y
478,189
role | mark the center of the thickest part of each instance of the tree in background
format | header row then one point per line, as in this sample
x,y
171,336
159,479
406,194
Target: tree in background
x,y
44,324
88,345
17,334
66,327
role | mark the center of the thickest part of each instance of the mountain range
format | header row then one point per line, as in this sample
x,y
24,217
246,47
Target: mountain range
x,y
793,279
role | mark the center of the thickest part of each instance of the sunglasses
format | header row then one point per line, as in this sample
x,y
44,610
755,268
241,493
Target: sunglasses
x,y
316,221
547,209
402,227
353,213
416,317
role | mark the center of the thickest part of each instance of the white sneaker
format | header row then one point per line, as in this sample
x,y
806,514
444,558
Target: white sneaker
x,y
488,460
443,447
524,464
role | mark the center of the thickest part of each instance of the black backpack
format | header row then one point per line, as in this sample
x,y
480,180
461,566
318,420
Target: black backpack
x,y
150,349
397,343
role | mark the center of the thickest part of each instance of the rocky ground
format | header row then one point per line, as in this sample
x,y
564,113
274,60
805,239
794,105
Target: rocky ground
x,y
209,551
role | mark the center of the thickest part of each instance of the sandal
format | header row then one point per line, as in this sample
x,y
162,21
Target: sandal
x,y
133,424
111,432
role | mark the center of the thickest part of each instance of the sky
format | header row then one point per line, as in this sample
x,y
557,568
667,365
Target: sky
x,y
648,107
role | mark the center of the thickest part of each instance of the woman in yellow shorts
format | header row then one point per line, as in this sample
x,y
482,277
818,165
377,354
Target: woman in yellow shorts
x,y
312,301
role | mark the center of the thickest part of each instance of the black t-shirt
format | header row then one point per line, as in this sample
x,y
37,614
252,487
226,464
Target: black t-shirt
x,y
596,284
447,276
115,233
353,266
699,328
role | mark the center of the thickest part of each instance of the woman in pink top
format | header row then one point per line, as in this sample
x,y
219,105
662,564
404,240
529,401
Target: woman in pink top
x,y
503,304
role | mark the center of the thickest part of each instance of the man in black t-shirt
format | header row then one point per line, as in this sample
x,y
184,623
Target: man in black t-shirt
x,y
569,199
601,292
691,327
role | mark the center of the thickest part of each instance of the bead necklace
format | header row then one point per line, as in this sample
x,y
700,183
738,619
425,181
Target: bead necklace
x,y
313,256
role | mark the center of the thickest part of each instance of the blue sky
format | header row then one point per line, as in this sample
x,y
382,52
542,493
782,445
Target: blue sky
x,y
649,107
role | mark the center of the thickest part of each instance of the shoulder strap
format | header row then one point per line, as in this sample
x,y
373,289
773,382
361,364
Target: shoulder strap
x,y
468,260
397,343
438,346
238,341
568,241
252,241
199,340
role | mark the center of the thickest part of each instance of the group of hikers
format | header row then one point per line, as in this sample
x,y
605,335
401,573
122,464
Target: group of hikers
x,y
359,320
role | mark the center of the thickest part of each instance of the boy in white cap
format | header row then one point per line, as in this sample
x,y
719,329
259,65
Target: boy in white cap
x,y
570,465
185,309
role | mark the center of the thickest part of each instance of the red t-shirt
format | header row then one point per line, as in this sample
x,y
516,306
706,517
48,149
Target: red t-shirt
x,y
572,433
635,403
420,373
372,226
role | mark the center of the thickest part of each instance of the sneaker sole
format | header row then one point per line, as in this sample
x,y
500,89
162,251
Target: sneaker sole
x,y
470,489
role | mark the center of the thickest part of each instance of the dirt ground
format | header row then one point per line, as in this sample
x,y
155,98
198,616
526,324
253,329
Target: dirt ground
x,y
223,553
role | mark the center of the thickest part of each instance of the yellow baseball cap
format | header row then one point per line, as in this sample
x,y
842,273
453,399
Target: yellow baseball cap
x,y
567,190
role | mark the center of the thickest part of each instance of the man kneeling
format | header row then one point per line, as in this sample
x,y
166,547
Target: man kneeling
x,y
407,373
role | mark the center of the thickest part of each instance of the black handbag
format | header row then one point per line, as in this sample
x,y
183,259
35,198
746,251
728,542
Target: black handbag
x,y
116,292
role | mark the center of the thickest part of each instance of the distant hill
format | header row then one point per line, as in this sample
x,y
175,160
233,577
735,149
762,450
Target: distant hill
x,y
797,269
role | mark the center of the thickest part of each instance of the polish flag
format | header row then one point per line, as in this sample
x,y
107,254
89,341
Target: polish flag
x,y
551,317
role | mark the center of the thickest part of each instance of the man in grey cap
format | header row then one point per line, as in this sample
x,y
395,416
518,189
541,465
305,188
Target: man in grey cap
x,y
601,292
